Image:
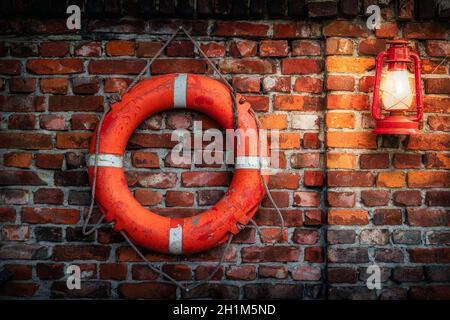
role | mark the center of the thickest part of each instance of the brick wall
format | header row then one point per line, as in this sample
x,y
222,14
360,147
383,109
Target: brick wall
x,y
350,198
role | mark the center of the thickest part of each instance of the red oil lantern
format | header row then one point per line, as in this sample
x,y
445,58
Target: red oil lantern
x,y
392,96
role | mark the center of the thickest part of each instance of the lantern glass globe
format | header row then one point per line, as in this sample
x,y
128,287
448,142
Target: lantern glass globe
x,y
396,93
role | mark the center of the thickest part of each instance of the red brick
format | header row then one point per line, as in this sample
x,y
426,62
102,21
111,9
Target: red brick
x,y
80,252
438,48
116,48
178,271
308,84
429,255
387,217
313,178
180,49
50,271
75,103
277,84
179,199
311,140
366,84
439,123
20,177
124,66
48,196
10,67
49,161
428,179
314,254
350,179
438,198
19,271
372,46
356,140
297,29
305,236
205,178
427,217
213,49
407,161
241,29
274,121
342,28
15,233
19,289
431,141
50,215
243,48
374,197
306,273
113,271
7,214
339,46
349,64
306,199
305,48
340,83
273,48
340,120
305,160
148,197
270,253
374,161
54,49
31,141
424,30
55,66
54,85
52,122
141,159
17,159
88,49
146,49
437,85
430,292
301,66
348,101
247,84
145,179
342,275
436,104
341,199
76,140
297,102
274,272
22,85
84,121
437,160
387,30
22,121
22,103
289,140
407,198
163,66
85,85
147,290
13,196
245,272
348,217
247,66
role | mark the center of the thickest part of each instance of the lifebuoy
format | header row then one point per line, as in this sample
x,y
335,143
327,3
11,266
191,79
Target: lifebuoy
x,y
148,229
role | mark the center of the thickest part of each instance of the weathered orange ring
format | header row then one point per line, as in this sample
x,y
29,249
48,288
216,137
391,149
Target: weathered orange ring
x,y
163,234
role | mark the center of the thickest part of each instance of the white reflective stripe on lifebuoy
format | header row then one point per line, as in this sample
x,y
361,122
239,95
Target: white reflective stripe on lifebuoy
x,y
176,240
251,162
179,91
106,160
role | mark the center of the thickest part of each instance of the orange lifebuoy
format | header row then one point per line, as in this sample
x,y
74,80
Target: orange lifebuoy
x,y
148,229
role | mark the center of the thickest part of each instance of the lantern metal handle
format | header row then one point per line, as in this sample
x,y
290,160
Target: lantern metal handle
x,y
417,80
376,108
